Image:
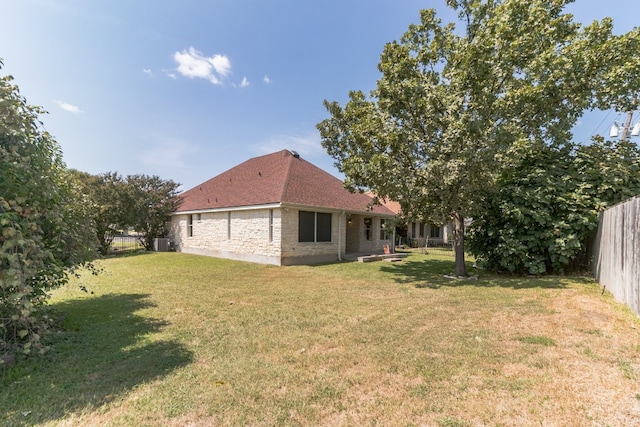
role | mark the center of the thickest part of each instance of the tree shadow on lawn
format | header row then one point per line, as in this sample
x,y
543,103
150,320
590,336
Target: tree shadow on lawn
x,y
104,351
127,253
433,274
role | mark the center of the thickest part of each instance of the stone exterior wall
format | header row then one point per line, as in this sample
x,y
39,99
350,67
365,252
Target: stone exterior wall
x,y
357,236
420,238
294,252
249,237
245,238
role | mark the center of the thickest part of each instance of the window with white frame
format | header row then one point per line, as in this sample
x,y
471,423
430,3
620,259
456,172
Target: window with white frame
x,y
368,224
384,232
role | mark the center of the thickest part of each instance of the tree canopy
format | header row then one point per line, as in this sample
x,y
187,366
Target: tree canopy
x,y
150,200
454,99
105,205
140,202
45,229
542,213
54,220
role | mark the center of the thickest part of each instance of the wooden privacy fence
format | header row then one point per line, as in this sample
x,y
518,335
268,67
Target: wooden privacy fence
x,y
616,252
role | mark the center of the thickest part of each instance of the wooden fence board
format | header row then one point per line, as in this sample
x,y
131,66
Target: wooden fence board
x,y
616,254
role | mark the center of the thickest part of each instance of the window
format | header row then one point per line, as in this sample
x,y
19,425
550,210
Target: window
x,y
435,232
306,226
190,219
314,227
413,230
384,234
271,225
368,222
323,228
421,230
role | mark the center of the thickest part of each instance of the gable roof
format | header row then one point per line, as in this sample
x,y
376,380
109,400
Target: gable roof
x,y
389,204
278,178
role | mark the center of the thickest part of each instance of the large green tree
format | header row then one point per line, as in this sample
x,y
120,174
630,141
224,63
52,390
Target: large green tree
x,y
542,213
45,231
150,200
453,100
107,205
141,202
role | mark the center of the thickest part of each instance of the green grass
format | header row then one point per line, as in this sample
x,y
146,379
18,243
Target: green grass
x,y
174,339
536,339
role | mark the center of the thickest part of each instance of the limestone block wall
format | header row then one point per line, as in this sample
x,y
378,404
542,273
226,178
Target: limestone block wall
x,y
241,235
374,244
294,252
355,233
246,237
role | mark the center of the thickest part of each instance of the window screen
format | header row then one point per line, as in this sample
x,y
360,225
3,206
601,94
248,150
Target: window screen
x,y
314,227
306,227
323,227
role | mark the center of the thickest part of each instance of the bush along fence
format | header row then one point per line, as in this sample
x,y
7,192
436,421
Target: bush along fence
x,y
616,252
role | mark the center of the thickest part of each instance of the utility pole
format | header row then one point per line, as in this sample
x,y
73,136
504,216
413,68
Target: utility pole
x,y
627,125
624,134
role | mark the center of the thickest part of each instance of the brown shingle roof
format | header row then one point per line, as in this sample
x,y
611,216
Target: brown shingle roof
x,y
280,177
389,204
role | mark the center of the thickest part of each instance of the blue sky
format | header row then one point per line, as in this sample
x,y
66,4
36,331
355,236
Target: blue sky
x,y
188,89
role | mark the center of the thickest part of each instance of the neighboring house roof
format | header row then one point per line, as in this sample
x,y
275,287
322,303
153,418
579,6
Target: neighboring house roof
x,y
278,178
389,204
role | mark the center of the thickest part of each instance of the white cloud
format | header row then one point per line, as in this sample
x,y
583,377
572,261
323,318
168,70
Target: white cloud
x,y
221,64
245,82
266,79
170,74
148,72
192,64
69,107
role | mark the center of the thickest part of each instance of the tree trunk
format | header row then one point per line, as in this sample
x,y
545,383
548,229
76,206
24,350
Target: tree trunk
x,y
458,243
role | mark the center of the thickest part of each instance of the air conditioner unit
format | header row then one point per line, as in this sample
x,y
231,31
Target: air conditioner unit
x,y
161,244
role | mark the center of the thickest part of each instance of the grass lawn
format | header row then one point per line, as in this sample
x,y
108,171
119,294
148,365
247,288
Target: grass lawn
x,y
177,340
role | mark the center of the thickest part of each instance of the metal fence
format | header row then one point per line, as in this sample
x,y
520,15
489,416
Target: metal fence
x,y
125,244
422,242
616,252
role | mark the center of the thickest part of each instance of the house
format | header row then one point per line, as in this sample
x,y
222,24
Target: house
x,y
278,209
418,233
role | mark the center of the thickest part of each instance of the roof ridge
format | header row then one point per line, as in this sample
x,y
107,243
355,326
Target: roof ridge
x,y
285,185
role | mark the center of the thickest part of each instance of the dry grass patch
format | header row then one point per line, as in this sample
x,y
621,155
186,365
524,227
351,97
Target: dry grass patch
x,y
173,339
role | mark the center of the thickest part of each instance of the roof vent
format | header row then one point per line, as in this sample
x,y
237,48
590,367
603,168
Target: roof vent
x,y
294,154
